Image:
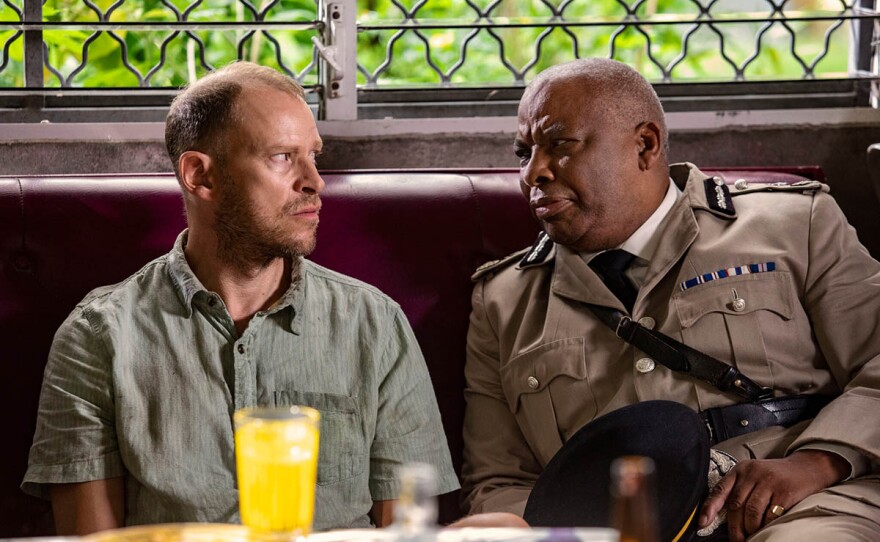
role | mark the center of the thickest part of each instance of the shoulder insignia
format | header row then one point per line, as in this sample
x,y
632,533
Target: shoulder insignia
x,y
539,251
741,186
718,196
489,268
535,255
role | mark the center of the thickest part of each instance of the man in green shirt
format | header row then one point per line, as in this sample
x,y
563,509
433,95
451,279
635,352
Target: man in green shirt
x,y
135,419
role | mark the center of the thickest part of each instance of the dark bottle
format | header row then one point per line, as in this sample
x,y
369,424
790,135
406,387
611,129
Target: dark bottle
x,y
634,508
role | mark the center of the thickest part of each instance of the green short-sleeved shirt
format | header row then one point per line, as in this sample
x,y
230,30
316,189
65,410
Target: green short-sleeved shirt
x,y
143,378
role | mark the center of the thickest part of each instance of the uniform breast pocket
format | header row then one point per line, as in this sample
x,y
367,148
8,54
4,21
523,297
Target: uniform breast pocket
x,y
743,320
548,391
342,449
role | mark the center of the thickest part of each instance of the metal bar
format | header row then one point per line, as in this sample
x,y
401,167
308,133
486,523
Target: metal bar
x,y
337,66
35,24
537,23
32,25
33,45
862,32
862,49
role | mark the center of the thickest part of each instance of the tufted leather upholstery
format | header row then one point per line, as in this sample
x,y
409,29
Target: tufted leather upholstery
x,y
417,235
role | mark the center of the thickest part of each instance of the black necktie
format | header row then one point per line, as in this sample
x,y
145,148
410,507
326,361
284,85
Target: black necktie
x,y
611,266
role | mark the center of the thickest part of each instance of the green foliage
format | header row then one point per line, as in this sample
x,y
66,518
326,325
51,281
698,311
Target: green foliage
x,y
391,57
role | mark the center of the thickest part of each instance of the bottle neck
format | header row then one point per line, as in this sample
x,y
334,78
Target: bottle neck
x,y
634,513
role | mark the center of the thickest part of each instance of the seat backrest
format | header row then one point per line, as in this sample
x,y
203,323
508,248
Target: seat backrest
x,y
416,235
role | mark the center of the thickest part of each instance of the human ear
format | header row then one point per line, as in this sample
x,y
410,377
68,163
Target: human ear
x,y
650,144
196,171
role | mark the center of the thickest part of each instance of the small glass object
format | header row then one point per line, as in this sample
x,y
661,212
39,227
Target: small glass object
x,y
415,514
276,453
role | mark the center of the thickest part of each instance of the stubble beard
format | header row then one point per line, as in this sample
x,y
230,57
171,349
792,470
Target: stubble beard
x,y
248,242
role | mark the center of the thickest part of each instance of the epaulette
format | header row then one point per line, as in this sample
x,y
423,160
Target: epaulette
x,y
534,255
495,265
741,186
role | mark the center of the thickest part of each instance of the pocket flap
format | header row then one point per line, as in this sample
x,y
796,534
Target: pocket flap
x,y
533,370
342,446
762,291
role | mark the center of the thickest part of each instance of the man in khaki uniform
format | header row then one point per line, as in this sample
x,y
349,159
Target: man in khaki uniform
x,y
769,279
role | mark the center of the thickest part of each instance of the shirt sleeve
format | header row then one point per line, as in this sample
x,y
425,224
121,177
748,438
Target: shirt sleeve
x,y
75,438
842,297
408,425
499,468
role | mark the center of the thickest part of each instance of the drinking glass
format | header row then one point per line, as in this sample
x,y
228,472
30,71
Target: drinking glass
x,y
276,452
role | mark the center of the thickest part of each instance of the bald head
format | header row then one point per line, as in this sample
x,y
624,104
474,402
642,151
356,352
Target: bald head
x,y
201,116
627,98
591,142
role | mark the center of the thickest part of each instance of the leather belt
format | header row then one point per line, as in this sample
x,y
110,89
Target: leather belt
x,y
735,420
678,356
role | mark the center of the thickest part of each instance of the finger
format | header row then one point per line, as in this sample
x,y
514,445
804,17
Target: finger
x,y
735,531
756,508
715,500
736,503
772,515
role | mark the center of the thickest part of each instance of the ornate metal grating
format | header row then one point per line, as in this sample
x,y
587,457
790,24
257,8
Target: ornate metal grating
x,y
502,41
150,43
438,48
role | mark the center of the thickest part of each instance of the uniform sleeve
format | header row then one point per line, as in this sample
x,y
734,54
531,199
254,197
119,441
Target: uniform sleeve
x,y
842,298
499,468
408,425
75,438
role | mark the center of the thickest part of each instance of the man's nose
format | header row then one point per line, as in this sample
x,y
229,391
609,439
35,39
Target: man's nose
x,y
311,181
537,171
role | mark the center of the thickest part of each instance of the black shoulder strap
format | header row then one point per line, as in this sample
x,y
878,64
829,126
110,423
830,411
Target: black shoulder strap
x,y
680,357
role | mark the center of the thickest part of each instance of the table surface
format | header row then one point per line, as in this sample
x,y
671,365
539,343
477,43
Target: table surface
x,y
201,532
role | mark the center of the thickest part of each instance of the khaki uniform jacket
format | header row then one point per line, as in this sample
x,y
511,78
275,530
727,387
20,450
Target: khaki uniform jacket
x,y
540,365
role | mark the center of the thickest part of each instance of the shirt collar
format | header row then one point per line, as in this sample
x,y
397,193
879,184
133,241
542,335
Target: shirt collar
x,y
185,281
189,288
643,242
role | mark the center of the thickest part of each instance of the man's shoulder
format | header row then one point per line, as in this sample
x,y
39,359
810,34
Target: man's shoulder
x,y
539,254
139,285
339,282
729,198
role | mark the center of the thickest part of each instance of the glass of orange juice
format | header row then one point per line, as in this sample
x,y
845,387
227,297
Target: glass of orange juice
x,y
276,452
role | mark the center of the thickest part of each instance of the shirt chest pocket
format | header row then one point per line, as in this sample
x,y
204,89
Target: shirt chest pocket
x,y
740,320
548,391
342,448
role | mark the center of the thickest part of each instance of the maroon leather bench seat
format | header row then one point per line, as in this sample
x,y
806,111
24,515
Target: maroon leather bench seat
x,y
416,235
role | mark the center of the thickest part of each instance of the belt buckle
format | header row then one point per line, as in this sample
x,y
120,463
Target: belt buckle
x,y
620,323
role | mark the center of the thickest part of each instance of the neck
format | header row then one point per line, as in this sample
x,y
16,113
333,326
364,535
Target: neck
x,y
246,286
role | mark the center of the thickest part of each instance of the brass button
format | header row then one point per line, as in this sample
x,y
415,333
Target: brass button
x,y
741,184
648,322
532,382
645,365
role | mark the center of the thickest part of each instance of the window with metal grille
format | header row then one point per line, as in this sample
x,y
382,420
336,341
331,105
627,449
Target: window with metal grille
x,y
123,59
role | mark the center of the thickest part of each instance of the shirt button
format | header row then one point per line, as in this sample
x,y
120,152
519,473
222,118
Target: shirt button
x,y
645,365
532,382
647,322
241,349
